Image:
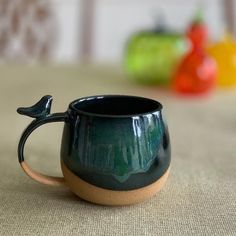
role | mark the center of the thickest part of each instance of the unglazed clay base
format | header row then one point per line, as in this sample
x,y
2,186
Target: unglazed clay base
x,y
103,196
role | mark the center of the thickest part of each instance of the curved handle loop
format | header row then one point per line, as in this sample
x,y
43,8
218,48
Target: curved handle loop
x,y
40,111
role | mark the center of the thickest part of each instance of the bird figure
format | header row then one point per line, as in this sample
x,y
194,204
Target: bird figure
x,y
41,109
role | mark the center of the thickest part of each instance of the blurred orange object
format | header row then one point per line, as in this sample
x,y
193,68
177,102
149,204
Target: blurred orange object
x,y
196,73
224,53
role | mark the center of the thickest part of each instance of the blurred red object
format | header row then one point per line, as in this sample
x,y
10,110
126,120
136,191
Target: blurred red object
x,y
196,73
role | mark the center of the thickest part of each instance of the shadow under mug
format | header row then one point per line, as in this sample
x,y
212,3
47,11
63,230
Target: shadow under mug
x,y
115,149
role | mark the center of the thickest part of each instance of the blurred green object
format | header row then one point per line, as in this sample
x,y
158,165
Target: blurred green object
x,y
152,56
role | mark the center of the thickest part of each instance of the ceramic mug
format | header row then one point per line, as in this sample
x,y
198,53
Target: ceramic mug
x,y
115,149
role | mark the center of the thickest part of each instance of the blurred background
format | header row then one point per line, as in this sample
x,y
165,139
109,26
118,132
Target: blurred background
x,y
95,31
151,48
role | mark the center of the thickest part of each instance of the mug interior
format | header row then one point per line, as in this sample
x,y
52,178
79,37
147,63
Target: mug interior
x,y
115,105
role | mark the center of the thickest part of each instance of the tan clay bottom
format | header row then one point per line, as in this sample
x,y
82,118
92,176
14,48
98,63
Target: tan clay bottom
x,y
103,196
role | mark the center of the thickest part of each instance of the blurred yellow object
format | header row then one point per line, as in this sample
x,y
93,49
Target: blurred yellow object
x,y
224,53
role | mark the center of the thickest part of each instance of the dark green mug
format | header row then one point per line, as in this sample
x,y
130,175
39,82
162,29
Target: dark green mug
x,y
115,149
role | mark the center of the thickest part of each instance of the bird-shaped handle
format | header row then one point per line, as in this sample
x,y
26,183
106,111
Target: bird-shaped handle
x,y
41,112
41,109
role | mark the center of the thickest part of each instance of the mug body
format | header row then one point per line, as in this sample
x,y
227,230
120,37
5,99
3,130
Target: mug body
x,y
114,145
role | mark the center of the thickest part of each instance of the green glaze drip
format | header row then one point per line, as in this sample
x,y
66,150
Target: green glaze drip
x,y
116,148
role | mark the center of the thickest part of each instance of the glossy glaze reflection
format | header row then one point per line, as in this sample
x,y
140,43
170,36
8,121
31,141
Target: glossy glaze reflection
x,y
119,153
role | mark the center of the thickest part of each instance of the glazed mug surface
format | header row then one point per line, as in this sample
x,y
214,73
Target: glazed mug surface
x,y
115,149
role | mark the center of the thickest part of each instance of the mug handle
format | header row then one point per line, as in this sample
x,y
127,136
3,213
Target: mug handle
x,y
41,112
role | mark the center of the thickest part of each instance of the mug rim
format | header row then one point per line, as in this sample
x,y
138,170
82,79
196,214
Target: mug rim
x,y
79,111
